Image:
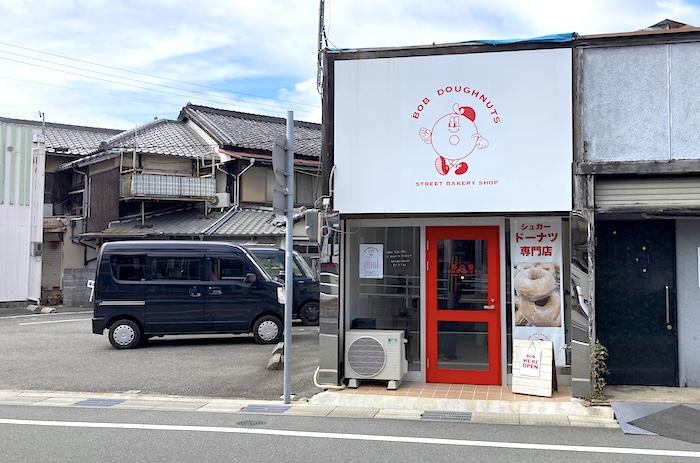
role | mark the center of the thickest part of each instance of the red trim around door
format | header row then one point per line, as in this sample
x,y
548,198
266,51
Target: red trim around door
x,y
441,371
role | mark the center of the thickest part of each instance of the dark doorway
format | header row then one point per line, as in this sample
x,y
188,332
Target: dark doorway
x,y
635,300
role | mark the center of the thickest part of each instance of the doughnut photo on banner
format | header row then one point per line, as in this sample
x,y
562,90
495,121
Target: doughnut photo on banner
x,y
537,296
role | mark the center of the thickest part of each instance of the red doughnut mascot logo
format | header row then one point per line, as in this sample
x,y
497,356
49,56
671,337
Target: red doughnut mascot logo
x,y
454,137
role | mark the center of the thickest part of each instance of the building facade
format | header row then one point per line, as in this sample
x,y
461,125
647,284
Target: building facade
x,y
485,192
638,160
449,173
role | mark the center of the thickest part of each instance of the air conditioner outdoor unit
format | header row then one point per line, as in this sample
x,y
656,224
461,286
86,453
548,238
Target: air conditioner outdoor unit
x,y
220,200
375,355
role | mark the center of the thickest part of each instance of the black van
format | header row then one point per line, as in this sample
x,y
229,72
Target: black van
x,y
305,303
144,289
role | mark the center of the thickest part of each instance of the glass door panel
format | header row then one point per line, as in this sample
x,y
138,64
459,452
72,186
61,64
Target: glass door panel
x,y
463,308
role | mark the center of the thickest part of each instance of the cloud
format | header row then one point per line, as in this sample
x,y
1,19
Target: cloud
x,y
258,57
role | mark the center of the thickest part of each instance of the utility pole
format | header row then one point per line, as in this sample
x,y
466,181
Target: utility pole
x,y
321,34
283,203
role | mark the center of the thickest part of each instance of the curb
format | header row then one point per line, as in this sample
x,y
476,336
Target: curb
x,y
40,309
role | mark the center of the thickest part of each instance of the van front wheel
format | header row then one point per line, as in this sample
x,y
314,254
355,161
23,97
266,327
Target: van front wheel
x,y
309,313
267,330
124,334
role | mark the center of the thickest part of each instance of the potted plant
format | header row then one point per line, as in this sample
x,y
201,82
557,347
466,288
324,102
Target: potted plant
x,y
599,353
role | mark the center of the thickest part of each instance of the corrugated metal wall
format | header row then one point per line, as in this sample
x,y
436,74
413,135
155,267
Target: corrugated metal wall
x,y
21,209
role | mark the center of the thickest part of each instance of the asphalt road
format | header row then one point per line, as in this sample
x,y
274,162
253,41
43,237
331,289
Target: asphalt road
x,y
59,352
50,434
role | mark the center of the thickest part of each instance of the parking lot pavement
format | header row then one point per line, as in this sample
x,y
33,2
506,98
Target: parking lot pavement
x,y
31,309
58,352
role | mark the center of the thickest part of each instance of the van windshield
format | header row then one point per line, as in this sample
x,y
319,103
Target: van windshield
x,y
273,263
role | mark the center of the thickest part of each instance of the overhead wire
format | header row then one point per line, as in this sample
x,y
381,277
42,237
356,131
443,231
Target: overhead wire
x,y
136,86
120,77
139,73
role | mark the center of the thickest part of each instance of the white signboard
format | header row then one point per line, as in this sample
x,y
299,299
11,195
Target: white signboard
x,y
371,261
536,281
532,368
479,132
531,362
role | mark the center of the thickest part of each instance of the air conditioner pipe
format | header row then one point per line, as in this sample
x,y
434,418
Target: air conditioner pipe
x,y
237,191
325,386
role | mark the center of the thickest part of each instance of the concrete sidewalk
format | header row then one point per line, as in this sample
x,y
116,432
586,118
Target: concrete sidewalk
x,y
334,404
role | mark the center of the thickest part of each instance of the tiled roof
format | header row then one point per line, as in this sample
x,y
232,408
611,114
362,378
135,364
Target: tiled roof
x,y
191,221
160,137
251,221
236,130
186,221
70,140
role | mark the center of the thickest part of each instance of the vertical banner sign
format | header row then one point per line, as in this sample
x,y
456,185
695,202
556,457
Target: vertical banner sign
x,y
538,302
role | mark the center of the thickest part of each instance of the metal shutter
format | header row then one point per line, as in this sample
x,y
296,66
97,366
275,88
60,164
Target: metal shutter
x,y
682,192
51,265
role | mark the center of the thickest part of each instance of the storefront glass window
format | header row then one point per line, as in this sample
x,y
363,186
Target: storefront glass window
x,y
384,283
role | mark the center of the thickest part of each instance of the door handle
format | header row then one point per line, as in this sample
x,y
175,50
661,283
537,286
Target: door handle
x,y
215,291
489,307
668,309
194,292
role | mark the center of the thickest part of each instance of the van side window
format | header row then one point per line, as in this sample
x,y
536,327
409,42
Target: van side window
x,y
176,268
131,268
232,268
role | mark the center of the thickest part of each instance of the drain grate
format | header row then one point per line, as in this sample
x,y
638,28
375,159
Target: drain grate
x,y
249,423
436,415
256,408
98,403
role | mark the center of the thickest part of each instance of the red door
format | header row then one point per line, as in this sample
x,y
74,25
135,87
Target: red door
x,y
463,316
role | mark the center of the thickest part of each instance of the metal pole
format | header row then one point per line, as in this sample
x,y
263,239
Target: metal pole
x,y
288,254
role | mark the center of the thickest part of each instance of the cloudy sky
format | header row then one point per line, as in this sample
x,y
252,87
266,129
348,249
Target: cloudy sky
x,y
121,63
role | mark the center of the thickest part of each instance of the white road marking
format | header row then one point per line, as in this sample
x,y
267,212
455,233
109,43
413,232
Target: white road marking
x,y
55,321
43,315
359,437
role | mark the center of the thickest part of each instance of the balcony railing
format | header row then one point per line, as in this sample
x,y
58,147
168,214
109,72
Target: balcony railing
x,y
138,185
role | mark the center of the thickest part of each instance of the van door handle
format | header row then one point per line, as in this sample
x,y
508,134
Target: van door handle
x,y
194,292
215,291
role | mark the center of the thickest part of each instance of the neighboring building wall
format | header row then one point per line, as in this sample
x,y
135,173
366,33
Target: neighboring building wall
x,y
638,105
688,257
104,200
73,253
22,158
75,290
639,102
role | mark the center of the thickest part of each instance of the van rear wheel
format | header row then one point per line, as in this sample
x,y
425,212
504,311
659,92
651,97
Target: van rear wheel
x,y
267,330
124,334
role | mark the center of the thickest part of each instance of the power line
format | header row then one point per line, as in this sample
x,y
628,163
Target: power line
x,y
129,85
109,94
118,77
143,74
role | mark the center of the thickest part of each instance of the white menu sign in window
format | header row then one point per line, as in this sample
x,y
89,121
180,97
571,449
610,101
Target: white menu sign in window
x,y
371,261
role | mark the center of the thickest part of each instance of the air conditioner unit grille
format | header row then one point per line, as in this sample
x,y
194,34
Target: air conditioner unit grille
x,y
366,357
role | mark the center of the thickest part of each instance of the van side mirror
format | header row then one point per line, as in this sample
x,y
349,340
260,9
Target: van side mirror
x,y
250,278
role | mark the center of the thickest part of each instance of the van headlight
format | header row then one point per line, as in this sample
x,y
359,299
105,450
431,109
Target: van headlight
x,y
281,295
